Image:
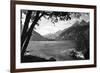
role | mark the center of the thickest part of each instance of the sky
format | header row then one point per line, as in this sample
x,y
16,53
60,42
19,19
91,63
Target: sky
x,y
47,27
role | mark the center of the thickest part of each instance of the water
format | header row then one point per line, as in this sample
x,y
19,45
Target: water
x,y
59,50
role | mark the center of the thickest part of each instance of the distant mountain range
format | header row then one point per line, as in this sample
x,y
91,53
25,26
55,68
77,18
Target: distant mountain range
x,y
77,31
53,35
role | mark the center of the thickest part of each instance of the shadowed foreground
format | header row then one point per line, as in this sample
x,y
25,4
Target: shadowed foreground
x,y
30,58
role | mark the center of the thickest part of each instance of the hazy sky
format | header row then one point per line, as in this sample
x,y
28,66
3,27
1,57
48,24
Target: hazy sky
x,y
47,27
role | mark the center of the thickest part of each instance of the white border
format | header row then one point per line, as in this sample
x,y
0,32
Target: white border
x,y
52,64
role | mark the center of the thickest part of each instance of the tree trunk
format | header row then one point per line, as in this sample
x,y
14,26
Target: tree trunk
x,y
26,41
25,28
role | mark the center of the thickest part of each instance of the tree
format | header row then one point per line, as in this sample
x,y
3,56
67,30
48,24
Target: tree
x,y
34,17
26,33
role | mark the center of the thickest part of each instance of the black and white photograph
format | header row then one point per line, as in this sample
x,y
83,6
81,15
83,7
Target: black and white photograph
x,y
54,36
51,36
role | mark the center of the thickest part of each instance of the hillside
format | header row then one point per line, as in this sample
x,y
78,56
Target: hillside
x,y
76,32
37,37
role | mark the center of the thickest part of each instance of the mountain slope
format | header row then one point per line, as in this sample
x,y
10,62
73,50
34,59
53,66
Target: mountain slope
x,y
78,31
37,37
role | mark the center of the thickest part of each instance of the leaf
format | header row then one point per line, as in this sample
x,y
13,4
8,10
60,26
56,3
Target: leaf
x,y
37,24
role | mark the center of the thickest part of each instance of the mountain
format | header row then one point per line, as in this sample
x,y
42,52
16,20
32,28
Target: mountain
x,y
37,37
78,31
53,35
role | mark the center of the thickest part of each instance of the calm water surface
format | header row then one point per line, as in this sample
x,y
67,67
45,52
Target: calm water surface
x,y
58,49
